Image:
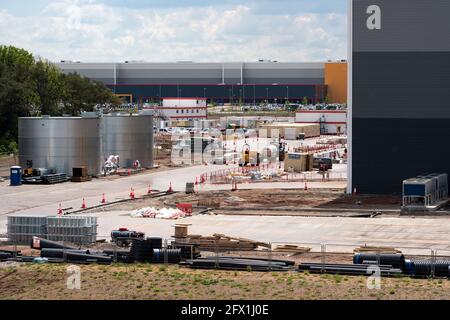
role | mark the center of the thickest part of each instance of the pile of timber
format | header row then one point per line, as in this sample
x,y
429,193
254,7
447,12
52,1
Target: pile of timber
x,y
292,249
223,242
376,249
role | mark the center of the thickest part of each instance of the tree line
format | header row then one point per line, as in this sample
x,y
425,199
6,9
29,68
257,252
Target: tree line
x,y
31,86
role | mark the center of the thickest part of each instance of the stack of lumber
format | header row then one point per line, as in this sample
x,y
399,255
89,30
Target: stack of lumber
x,y
223,242
376,249
293,249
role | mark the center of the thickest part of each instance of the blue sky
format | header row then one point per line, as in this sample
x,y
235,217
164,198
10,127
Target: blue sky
x,y
173,30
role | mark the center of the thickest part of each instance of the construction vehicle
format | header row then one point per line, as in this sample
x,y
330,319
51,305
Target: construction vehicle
x,y
249,157
323,164
124,237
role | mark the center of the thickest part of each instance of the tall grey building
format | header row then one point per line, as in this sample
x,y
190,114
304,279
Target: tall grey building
x,y
399,92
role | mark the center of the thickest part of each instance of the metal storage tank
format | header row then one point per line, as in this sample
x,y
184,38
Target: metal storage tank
x,y
130,137
60,143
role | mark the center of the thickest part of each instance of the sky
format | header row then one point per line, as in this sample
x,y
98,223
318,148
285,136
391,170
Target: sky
x,y
177,30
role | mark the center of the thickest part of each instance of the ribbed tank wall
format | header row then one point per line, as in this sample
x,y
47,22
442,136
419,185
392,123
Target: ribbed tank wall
x,y
60,143
130,137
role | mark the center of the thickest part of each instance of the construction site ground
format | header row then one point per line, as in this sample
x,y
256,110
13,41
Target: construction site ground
x,y
155,282
329,199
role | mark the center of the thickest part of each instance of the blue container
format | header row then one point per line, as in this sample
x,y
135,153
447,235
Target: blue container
x,y
16,176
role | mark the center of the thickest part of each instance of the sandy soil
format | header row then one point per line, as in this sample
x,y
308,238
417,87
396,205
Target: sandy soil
x,y
271,198
32,281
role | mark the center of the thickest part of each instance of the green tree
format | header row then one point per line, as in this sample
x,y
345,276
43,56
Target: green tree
x,y
30,87
50,87
17,90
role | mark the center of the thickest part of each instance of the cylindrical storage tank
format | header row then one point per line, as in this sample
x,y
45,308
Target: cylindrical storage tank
x,y
129,137
15,176
61,143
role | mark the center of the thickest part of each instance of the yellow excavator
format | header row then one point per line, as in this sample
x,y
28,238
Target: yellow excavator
x,y
248,157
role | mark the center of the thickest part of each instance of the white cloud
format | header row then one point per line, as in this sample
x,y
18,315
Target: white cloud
x,y
90,31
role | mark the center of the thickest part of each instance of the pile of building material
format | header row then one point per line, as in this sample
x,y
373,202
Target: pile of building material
x,y
388,264
80,174
78,230
216,241
347,269
238,263
376,249
291,249
163,213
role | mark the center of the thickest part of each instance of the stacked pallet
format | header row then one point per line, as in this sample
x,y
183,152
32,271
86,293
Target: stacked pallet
x,y
376,249
291,249
223,242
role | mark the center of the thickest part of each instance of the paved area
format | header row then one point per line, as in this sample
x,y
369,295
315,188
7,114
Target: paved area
x,y
341,234
45,199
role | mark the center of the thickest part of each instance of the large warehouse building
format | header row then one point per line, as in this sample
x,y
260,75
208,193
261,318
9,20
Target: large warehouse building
x,y
251,82
399,92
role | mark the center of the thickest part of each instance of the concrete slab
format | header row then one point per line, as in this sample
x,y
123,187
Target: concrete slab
x,y
414,235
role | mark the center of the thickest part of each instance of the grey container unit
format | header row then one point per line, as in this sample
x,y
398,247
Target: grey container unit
x,y
61,143
441,180
21,229
130,137
78,230
419,191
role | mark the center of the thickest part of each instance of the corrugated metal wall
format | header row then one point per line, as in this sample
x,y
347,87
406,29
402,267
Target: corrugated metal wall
x,y
222,81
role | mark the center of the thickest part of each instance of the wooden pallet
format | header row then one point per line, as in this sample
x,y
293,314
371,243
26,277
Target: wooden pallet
x,y
292,249
376,249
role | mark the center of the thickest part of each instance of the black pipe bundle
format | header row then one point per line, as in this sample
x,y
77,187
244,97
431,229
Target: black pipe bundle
x,y
393,259
230,263
423,268
142,250
349,269
40,243
82,256
172,255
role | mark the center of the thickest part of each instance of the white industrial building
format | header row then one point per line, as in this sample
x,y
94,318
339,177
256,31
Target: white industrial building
x,y
183,108
331,121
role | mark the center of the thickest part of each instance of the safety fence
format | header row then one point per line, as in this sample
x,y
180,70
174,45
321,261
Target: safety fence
x,y
270,172
424,262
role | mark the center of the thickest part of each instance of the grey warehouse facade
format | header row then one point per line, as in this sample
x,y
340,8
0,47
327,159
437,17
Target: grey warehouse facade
x,y
221,82
399,92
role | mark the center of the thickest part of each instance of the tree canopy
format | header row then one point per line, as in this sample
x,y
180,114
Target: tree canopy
x,y
32,86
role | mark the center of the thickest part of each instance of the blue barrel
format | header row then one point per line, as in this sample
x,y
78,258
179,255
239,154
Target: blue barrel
x,y
16,176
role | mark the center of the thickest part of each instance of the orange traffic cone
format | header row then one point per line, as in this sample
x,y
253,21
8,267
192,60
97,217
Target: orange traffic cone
x,y
83,204
103,198
149,191
60,210
132,196
170,190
